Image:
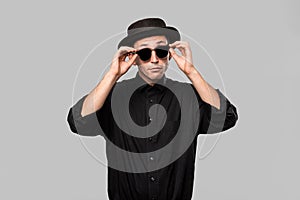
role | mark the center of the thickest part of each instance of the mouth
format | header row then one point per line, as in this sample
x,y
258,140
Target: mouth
x,y
155,69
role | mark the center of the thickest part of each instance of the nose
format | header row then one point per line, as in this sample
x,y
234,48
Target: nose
x,y
153,58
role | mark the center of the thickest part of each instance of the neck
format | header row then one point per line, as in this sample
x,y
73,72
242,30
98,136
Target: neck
x,y
150,82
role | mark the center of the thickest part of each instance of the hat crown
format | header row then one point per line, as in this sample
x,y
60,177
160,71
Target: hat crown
x,y
146,23
149,27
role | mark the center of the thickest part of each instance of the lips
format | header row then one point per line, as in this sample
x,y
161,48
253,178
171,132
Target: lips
x,y
155,68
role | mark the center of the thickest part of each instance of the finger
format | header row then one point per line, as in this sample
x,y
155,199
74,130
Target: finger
x,y
182,51
174,54
175,43
124,50
132,59
178,43
183,47
123,57
187,54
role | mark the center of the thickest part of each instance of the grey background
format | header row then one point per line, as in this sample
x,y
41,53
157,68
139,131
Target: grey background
x,y
256,45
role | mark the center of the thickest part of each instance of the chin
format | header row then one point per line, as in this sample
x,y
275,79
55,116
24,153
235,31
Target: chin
x,y
157,77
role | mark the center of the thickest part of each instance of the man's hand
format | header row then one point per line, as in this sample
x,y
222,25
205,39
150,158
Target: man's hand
x,y
185,63
185,60
119,64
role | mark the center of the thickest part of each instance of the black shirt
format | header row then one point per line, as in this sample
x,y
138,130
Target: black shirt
x,y
161,163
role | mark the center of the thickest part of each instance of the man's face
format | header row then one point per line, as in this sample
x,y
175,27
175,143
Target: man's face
x,y
153,69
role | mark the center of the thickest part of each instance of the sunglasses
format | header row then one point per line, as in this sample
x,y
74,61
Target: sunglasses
x,y
160,51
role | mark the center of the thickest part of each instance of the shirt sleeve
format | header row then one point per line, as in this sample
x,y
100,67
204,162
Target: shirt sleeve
x,y
213,120
88,125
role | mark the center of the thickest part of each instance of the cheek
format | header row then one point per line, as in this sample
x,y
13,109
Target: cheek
x,y
141,68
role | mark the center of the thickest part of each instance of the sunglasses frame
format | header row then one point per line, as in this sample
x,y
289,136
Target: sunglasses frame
x,y
158,50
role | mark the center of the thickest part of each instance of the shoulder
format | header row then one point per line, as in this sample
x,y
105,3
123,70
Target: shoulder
x,y
124,83
178,85
126,86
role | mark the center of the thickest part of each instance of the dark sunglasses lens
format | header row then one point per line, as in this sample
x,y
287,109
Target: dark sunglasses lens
x,y
144,54
161,53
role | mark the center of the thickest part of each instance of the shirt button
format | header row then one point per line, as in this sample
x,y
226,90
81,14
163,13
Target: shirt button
x,y
151,158
152,178
150,138
153,198
150,119
151,101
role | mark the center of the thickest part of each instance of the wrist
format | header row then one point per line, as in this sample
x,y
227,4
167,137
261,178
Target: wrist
x,y
195,76
112,75
191,72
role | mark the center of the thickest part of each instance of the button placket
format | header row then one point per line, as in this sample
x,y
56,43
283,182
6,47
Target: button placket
x,y
152,178
153,186
152,189
153,198
149,103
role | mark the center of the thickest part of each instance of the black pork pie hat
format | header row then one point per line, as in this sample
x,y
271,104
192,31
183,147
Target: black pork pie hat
x,y
146,28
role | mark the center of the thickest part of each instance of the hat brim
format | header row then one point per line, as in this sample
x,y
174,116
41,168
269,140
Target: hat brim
x,y
171,33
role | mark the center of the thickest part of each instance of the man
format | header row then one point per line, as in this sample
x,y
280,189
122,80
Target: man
x,y
153,119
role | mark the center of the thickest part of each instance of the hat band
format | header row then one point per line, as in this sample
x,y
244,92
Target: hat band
x,y
140,30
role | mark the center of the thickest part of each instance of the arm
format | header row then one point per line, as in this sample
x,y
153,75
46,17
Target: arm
x,y
204,89
216,111
83,116
96,98
185,63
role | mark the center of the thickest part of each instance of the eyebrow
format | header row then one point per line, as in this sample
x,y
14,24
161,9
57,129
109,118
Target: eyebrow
x,y
159,42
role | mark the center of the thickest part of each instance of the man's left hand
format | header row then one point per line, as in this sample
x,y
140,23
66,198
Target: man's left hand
x,y
185,60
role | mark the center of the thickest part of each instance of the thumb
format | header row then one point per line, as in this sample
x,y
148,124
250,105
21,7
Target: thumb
x,y
132,59
174,54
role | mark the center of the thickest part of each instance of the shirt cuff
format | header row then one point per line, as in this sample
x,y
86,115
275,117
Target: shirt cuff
x,y
87,125
223,103
220,119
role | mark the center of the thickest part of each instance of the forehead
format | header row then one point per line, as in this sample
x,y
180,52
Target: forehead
x,y
152,41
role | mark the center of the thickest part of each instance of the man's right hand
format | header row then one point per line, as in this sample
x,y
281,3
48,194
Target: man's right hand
x,y
96,98
119,64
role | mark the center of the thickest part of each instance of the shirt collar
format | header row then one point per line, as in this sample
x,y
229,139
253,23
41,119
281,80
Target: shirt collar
x,y
160,85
